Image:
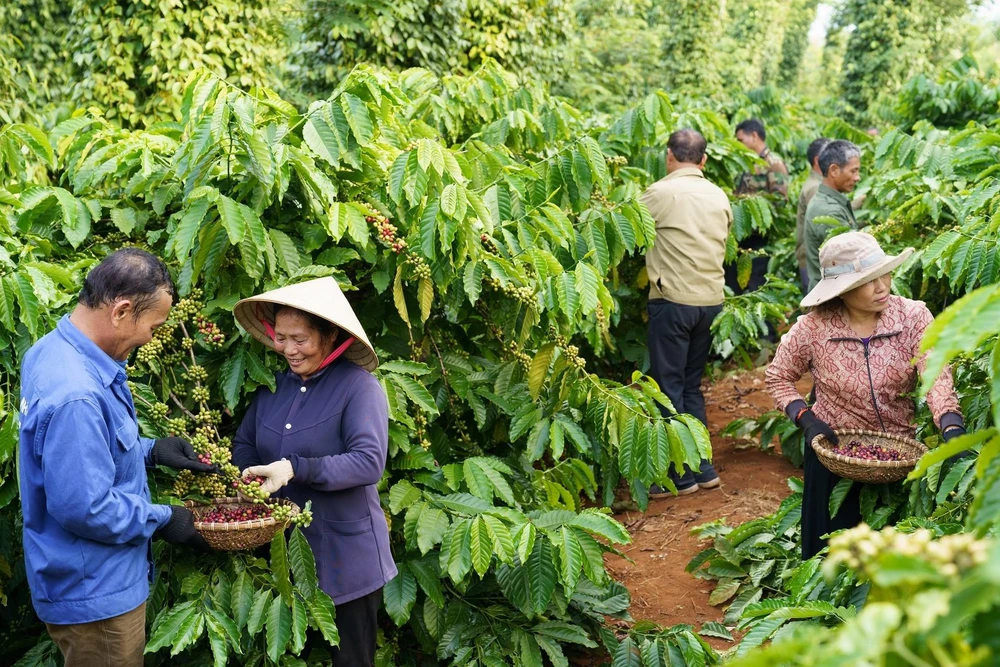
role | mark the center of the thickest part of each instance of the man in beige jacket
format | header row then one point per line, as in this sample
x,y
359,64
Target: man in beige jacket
x,y
686,282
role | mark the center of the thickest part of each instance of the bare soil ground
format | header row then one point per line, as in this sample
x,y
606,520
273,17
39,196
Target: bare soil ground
x,y
753,485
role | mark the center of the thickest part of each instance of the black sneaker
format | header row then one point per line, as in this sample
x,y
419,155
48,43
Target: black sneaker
x,y
706,477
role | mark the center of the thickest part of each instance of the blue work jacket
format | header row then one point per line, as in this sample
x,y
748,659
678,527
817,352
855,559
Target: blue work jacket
x,y
88,517
334,429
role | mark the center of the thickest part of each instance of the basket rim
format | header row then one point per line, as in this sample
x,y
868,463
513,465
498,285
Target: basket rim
x,y
890,465
237,526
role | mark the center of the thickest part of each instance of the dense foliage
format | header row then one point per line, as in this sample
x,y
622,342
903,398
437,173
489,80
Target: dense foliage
x,y
493,232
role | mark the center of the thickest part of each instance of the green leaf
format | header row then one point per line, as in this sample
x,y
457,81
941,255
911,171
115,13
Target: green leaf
x,y
838,495
231,376
524,541
570,559
257,612
541,575
400,594
123,219
169,624
540,368
503,543
188,227
402,495
279,567
300,620
564,632
217,641
473,281
231,214
357,117
456,554
76,217
596,522
553,650
222,622
416,392
431,528
399,298
425,295
279,628
481,545
323,615
627,655
242,599
303,564
428,576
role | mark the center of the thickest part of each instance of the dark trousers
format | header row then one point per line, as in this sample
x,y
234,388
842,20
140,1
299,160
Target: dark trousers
x,y
357,622
679,340
804,279
114,642
816,521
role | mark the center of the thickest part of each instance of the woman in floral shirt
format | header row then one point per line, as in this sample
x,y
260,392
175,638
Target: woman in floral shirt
x,y
859,342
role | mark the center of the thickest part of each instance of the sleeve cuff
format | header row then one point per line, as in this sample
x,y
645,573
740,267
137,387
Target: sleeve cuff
x,y
300,468
950,419
793,408
147,448
163,515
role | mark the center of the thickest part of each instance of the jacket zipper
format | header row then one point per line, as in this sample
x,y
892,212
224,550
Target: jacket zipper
x,y
868,367
871,385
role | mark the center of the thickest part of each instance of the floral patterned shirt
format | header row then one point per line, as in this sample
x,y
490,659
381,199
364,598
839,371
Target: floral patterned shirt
x,y
859,385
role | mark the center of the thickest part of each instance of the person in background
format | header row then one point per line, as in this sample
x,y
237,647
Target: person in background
x,y
808,190
771,177
840,163
859,342
686,282
88,517
323,436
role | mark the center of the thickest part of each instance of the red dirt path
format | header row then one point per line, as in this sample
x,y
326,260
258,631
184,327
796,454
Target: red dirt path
x,y
753,485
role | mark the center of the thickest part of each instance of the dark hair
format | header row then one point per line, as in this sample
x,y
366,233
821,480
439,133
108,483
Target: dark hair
x,y
129,273
839,153
687,145
324,327
815,148
752,125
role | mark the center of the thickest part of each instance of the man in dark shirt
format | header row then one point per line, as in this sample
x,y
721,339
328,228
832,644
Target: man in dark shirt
x,y
840,162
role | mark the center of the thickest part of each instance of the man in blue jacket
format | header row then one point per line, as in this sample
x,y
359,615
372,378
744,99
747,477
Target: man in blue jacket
x,y
88,517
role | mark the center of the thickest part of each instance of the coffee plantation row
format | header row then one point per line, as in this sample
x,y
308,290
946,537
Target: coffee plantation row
x,y
494,235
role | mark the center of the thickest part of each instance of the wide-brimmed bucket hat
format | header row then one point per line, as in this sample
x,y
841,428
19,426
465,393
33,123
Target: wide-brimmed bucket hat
x,y
321,297
848,261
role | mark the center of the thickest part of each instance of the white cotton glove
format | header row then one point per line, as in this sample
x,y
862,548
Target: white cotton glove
x,y
276,475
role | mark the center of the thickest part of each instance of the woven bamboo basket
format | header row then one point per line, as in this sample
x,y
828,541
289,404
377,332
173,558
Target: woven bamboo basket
x,y
862,470
237,535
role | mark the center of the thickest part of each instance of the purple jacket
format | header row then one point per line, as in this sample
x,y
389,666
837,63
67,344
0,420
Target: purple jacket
x,y
334,429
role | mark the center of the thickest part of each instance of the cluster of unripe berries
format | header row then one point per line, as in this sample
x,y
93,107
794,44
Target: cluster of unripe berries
x,y
860,549
573,355
418,266
159,410
858,450
617,160
200,394
524,295
150,351
599,197
196,374
520,355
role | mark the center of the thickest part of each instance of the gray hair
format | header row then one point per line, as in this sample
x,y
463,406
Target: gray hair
x,y
838,153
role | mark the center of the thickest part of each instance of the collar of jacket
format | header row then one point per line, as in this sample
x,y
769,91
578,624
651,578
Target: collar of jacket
x,y
887,325
686,171
764,153
107,368
830,192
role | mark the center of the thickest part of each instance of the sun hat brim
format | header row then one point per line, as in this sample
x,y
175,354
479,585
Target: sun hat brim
x,y
831,287
321,297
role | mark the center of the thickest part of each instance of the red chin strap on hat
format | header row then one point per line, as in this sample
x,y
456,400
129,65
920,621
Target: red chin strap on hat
x,y
326,362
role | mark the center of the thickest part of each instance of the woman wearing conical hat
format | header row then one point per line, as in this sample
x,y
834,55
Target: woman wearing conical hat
x,y
859,342
322,435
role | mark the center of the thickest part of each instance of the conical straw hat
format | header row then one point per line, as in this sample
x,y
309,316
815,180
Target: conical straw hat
x,y
323,298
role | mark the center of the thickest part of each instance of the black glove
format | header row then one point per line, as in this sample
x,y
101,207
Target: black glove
x,y
813,426
178,453
952,460
180,530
